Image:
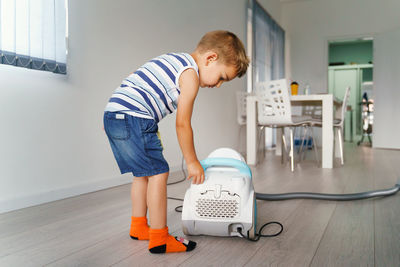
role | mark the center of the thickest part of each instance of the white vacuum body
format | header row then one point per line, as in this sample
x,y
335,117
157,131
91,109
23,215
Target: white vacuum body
x,y
225,201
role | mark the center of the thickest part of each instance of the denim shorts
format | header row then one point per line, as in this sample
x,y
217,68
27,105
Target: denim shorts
x,y
135,144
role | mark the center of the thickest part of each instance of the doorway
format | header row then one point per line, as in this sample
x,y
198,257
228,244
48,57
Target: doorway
x,y
351,64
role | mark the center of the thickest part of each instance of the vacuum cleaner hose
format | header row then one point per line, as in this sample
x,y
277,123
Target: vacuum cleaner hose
x,y
341,197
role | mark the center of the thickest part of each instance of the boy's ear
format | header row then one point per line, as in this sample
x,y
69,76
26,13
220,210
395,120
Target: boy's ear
x,y
211,56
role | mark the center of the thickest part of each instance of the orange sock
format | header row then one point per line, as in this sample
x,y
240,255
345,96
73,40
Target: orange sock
x,y
139,228
162,242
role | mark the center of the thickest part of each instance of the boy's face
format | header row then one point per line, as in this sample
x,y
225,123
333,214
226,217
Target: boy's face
x,y
213,73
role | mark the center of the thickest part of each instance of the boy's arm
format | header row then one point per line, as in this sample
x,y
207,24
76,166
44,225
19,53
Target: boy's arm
x,y
189,85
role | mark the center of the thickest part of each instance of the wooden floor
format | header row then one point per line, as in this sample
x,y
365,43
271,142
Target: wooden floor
x,y
92,229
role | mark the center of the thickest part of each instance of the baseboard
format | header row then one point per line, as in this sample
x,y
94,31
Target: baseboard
x,y
62,193
45,197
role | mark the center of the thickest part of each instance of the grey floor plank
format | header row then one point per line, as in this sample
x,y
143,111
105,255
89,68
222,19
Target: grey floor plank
x,y
104,253
26,219
297,244
304,222
67,243
387,210
58,229
126,253
92,229
349,238
117,249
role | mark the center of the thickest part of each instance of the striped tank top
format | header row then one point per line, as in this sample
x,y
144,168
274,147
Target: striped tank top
x,y
152,91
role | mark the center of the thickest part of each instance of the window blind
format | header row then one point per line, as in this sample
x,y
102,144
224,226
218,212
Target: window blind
x,y
269,46
33,34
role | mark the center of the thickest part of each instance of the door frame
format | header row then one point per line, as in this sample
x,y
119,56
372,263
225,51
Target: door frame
x,y
347,38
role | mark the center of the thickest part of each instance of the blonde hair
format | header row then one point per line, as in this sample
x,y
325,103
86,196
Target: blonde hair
x,y
229,48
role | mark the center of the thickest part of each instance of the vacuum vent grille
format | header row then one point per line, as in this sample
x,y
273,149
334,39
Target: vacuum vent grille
x,y
217,208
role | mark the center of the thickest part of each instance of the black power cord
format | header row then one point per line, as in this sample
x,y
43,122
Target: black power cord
x,y
184,175
259,234
177,208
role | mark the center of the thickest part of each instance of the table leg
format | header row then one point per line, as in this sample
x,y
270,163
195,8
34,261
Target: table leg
x,y
251,130
327,132
335,136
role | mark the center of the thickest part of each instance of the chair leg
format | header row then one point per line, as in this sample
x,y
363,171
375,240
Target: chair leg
x,y
339,131
291,150
370,140
260,135
315,146
239,139
294,134
302,140
264,144
283,147
303,154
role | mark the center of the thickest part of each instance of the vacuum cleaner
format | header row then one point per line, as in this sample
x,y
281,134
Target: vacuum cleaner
x,y
225,204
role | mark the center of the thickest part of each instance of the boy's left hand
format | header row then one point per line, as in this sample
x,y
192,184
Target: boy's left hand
x,y
196,172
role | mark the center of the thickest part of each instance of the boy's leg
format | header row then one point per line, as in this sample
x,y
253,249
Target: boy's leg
x,y
139,228
157,200
160,240
138,196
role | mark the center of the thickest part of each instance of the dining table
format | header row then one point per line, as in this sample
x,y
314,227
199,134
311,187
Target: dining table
x,y
330,106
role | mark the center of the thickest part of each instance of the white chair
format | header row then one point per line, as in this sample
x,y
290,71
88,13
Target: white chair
x,y
274,110
338,122
305,140
314,112
241,102
241,107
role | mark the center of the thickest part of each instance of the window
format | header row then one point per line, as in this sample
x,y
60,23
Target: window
x,y
266,46
33,34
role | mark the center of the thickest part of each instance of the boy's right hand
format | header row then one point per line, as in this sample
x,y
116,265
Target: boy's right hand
x,y
196,172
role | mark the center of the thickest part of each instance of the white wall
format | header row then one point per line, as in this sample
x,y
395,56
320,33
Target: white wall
x,y
273,7
51,141
387,81
311,23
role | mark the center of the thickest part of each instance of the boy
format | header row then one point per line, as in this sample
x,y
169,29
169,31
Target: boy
x,y
141,101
